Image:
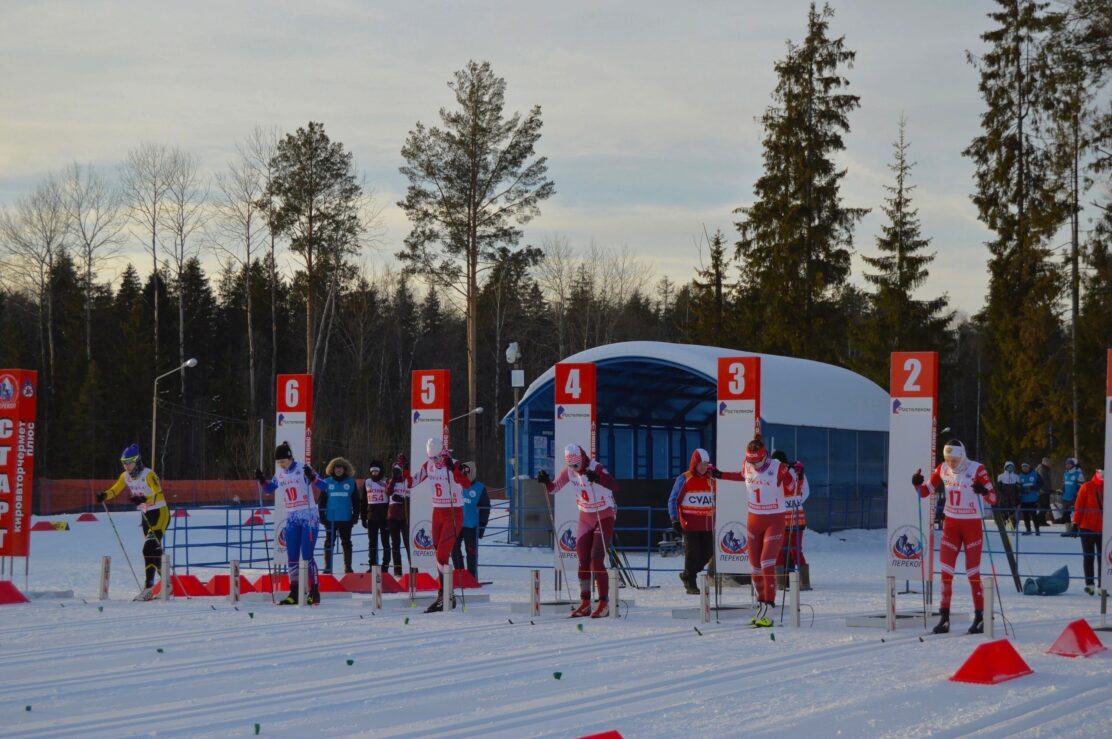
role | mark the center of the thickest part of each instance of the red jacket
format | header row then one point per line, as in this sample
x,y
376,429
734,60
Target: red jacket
x,y
1088,513
695,500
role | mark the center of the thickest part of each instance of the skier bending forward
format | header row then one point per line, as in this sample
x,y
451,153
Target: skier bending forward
x,y
963,482
293,483
594,496
446,482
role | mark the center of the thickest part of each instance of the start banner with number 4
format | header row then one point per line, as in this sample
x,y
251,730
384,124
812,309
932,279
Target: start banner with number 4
x,y
429,413
911,440
574,424
738,418
293,425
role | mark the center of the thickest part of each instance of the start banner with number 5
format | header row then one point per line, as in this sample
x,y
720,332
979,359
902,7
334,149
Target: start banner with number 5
x,y
428,419
574,424
738,414
911,441
293,425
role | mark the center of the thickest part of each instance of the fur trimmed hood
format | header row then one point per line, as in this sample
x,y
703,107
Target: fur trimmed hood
x,y
348,468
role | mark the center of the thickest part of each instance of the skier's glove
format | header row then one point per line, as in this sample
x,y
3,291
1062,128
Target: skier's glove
x,y
543,477
677,529
715,472
102,496
980,489
591,476
798,467
310,475
917,478
261,476
395,498
138,499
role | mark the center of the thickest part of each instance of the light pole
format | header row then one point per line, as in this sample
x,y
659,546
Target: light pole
x,y
517,381
154,402
476,411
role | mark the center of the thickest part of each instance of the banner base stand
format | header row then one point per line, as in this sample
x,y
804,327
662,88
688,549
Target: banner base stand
x,y
719,613
548,607
904,620
424,601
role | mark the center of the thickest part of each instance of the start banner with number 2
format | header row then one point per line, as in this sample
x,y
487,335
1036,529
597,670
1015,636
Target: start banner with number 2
x,y
911,439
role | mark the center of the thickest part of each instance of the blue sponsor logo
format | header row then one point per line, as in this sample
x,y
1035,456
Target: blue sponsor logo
x,y
567,539
905,544
421,539
559,412
896,404
734,539
416,416
722,408
281,418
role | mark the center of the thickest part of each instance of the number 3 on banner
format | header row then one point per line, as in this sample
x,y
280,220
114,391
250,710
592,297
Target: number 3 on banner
x,y
737,379
292,394
428,389
571,387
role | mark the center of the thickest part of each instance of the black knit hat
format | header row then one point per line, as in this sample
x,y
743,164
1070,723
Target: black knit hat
x,y
283,451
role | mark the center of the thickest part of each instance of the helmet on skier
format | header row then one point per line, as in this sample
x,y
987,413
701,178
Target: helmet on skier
x,y
130,455
755,451
953,452
574,456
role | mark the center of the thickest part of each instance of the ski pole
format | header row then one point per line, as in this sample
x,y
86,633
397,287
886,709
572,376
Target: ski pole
x,y
270,570
121,541
922,557
992,564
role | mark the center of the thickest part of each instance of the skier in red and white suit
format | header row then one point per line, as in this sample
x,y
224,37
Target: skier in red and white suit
x,y
594,497
765,480
446,482
963,482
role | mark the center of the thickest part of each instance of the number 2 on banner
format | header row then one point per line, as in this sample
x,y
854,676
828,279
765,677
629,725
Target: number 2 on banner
x,y
914,368
428,389
571,387
737,378
293,395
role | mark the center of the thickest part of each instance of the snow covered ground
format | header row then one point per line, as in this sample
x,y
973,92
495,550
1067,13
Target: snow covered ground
x,y
91,668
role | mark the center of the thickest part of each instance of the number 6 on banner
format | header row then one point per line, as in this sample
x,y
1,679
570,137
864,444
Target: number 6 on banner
x,y
292,395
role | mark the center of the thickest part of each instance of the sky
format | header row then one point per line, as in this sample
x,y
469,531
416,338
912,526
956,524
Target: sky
x,y
651,109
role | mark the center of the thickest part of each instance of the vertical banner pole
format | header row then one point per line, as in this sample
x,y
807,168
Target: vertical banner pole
x,y
990,611
738,417
302,582
793,586
446,593
430,404
574,413
167,590
233,581
912,423
293,424
376,586
704,598
534,593
412,586
614,599
105,577
890,603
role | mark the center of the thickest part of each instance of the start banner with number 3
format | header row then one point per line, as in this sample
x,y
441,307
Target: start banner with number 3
x,y
293,425
574,424
911,442
738,418
429,412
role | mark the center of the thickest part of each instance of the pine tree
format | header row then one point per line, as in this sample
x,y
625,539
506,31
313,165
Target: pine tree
x,y
898,321
710,299
796,238
1017,199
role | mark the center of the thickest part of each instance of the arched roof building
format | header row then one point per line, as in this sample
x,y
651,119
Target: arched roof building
x,y
656,403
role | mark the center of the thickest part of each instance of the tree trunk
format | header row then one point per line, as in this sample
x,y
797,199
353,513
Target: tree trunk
x,y
89,310
250,345
154,285
472,345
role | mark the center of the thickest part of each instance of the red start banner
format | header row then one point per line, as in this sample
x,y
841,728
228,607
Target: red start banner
x,y
18,396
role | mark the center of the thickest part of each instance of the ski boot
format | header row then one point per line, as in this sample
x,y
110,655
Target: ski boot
x,y
291,599
1090,590
762,620
602,611
978,626
583,610
943,626
438,605
314,596
146,593
688,584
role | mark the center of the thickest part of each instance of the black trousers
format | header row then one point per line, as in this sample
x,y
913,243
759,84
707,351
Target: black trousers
x,y
378,530
152,545
467,541
399,534
1030,515
341,529
698,548
1090,548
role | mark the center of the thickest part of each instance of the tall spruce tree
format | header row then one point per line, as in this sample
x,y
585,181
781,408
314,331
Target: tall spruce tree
x,y
796,238
710,296
899,321
1017,198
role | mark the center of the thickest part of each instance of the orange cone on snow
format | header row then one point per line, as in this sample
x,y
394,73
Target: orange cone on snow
x,y
1077,640
612,734
991,663
185,586
10,595
88,517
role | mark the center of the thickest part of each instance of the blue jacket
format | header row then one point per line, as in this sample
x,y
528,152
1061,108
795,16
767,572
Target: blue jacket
x,y
337,498
1032,484
1071,483
476,506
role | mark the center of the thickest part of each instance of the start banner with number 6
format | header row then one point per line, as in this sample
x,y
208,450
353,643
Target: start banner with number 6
x,y
429,412
574,424
18,399
738,418
293,425
911,440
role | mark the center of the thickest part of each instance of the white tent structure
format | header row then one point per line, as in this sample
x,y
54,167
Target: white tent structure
x,y
656,402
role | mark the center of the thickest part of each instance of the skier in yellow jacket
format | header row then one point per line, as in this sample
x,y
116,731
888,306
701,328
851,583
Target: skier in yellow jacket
x,y
146,494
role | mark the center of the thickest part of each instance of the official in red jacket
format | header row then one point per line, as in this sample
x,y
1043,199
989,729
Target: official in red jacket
x,y
691,507
1088,516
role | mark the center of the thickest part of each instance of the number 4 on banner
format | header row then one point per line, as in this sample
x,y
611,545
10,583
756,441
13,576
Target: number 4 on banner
x,y
571,387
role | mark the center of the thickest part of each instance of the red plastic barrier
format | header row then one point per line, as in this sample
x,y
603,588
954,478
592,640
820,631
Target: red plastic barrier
x,y
255,520
185,586
991,663
262,512
181,513
464,579
221,584
10,595
612,734
262,585
425,583
45,526
88,517
1077,640
329,584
